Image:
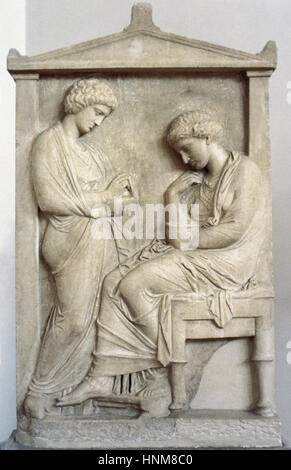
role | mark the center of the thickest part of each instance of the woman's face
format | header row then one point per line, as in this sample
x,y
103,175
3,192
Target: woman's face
x,y
194,152
91,116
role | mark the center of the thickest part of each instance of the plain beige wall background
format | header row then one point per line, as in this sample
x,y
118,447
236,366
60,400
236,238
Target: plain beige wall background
x,y
240,24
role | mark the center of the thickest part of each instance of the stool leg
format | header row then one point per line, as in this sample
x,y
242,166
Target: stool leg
x,y
263,357
178,386
265,374
178,361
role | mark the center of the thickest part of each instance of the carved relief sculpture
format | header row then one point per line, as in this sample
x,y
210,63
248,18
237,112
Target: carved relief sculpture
x,y
123,329
70,179
133,322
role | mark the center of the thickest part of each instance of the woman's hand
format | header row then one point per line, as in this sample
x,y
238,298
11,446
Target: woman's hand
x,y
119,185
121,192
183,182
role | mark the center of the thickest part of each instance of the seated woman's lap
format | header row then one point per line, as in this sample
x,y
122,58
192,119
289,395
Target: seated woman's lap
x,y
159,275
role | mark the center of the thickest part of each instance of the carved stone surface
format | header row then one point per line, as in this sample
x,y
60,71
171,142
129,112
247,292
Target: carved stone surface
x,y
191,430
119,315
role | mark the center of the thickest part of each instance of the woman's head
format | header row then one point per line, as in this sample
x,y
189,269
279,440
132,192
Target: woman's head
x,y
197,124
89,101
191,135
88,92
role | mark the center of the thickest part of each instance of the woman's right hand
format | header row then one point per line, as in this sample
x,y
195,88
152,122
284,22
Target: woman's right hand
x,y
119,185
188,178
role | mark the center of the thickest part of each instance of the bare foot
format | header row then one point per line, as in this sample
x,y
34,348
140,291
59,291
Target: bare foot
x,y
35,406
155,388
155,398
156,407
91,387
178,404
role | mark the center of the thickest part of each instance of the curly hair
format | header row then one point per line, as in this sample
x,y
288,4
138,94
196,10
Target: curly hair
x,y
88,92
194,124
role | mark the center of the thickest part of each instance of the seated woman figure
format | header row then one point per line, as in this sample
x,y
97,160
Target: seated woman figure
x,y
133,322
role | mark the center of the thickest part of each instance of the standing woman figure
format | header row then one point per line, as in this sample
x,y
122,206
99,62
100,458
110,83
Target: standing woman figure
x,y
70,179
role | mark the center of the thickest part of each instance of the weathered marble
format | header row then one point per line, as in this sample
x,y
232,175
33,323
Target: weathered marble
x,y
120,332
183,430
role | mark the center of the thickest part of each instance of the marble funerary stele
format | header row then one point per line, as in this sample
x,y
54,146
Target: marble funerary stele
x,y
143,243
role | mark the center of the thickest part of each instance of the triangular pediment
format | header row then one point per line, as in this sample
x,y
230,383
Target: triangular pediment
x,y
143,46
